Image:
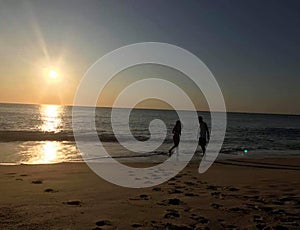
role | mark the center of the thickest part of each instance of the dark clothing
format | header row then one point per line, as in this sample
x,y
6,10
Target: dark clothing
x,y
203,130
176,136
202,141
176,139
177,130
204,136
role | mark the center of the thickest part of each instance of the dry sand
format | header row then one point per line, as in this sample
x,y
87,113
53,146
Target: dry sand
x,y
252,194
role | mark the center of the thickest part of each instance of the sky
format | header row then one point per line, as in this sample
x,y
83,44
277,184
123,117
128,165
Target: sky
x,y
251,47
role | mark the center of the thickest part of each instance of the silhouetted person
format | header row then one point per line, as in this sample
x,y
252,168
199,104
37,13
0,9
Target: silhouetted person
x,y
204,134
176,136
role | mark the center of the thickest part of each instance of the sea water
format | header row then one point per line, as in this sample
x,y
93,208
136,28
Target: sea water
x,y
38,134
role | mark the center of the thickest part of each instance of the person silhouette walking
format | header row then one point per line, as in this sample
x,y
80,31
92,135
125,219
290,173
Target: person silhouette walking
x,y
204,135
176,136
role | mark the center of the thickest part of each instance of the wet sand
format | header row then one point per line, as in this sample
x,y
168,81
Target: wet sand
x,y
232,194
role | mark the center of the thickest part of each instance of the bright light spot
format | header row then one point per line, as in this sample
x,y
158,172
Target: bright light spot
x,y
245,150
50,152
51,111
53,74
51,117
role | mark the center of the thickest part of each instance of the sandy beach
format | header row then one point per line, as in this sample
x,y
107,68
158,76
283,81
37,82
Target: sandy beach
x,y
232,194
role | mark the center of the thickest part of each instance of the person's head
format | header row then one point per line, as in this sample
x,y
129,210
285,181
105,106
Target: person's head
x,y
200,119
178,123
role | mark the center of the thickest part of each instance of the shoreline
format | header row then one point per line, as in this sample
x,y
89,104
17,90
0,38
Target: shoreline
x,y
161,156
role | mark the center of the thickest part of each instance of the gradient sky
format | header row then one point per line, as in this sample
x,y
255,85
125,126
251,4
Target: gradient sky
x,y
251,47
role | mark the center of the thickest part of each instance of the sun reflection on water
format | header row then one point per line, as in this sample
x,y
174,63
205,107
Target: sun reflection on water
x,y
51,116
48,152
45,152
54,148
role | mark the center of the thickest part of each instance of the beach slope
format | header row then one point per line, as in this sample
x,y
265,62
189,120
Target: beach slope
x,y
230,195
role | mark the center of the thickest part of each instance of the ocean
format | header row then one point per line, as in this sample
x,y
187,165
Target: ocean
x,y
39,134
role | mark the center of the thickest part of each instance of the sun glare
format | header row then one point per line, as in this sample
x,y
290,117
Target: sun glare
x,y
52,74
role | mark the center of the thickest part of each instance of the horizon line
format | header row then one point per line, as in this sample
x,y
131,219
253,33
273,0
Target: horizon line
x,y
147,108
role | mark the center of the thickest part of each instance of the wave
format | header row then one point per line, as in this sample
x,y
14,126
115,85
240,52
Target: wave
x,y
150,154
235,141
11,136
94,159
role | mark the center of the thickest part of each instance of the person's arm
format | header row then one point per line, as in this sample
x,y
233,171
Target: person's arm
x,y
207,133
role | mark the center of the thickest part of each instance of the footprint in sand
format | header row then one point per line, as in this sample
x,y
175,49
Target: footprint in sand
x,y
190,183
280,212
257,219
174,201
216,206
202,182
171,226
173,179
231,189
174,191
191,194
179,187
141,197
199,219
252,206
50,190
221,221
218,195
136,225
73,202
288,200
230,226
290,217
212,187
239,210
172,214
156,189
37,182
261,226
267,209
102,223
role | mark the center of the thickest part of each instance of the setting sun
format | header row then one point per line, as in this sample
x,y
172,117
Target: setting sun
x,y
52,74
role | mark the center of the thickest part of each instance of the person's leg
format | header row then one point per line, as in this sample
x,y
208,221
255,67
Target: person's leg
x,y
202,143
171,149
177,152
176,140
203,149
175,146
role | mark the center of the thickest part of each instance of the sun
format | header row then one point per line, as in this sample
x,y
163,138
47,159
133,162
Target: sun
x,y
52,74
